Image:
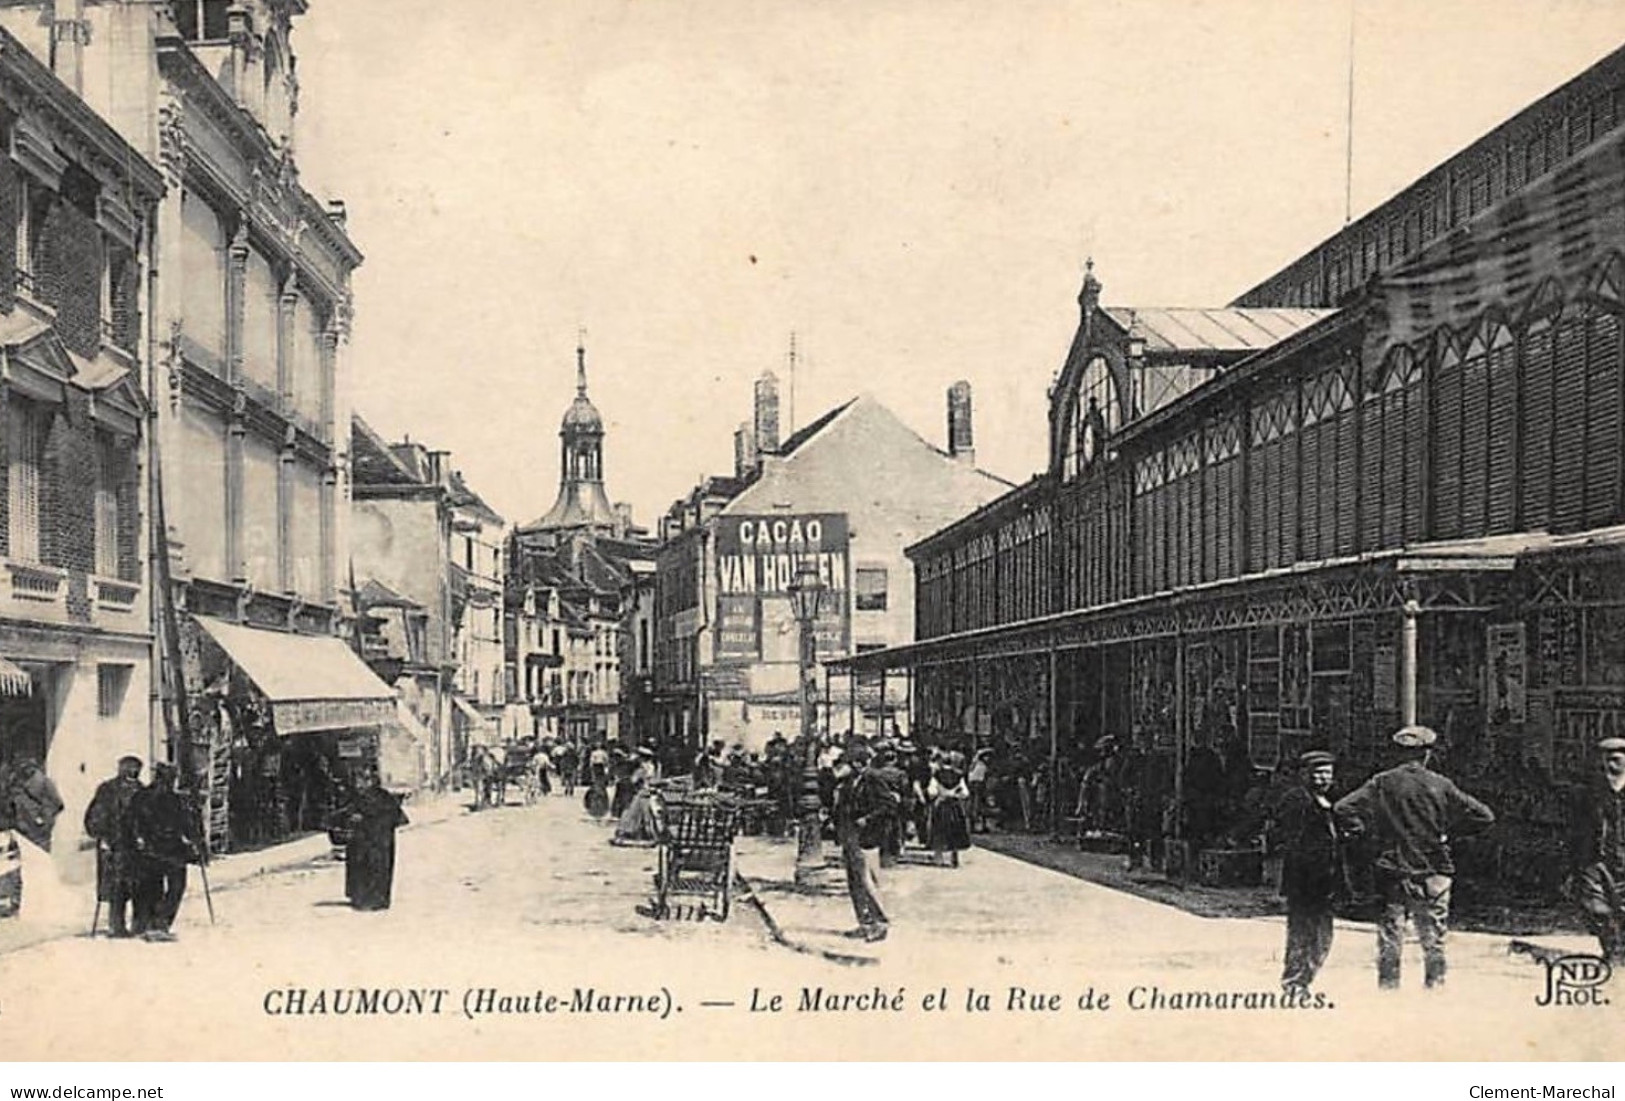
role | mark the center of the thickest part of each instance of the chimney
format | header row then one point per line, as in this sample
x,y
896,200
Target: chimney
x,y
744,451
338,213
437,467
767,414
961,441
623,517
70,33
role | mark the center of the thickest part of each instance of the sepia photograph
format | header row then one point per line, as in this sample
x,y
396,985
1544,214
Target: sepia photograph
x,y
914,530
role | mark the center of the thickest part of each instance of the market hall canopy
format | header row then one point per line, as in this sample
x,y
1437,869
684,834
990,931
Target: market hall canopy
x,y
313,683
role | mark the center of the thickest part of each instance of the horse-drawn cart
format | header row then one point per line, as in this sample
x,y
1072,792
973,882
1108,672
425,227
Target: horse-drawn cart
x,y
497,768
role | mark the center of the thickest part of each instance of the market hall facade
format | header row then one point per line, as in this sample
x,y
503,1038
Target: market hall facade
x,y
1384,485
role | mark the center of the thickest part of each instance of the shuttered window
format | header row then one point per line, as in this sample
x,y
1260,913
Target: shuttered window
x,y
25,423
1536,428
1603,443
1504,443
1475,437
1569,423
1447,473
109,475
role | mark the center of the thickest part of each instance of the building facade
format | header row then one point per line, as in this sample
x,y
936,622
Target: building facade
x,y
269,712
574,595
847,492
77,209
428,562
1404,505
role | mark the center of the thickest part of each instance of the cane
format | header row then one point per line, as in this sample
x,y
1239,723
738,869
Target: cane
x,y
95,918
208,896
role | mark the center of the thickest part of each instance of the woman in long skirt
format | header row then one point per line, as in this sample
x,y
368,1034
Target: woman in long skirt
x,y
369,860
950,818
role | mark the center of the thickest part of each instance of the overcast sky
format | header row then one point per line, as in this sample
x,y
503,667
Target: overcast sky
x,y
909,185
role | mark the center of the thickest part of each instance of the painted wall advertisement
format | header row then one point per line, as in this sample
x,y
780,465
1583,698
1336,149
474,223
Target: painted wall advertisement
x,y
757,558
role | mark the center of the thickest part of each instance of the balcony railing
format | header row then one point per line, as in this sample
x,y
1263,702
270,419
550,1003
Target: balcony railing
x,y
36,583
114,595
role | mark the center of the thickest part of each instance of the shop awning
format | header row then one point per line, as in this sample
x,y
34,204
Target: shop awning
x,y
14,680
313,682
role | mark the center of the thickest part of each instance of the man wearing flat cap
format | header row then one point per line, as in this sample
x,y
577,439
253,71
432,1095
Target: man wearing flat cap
x,y
1597,846
107,821
1306,832
1410,813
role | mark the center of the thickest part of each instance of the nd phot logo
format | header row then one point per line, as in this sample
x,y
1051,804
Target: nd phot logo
x,y
1575,980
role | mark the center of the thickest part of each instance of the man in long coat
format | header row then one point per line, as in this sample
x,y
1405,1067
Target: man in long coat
x,y
1598,849
864,804
107,821
1411,812
369,860
163,825
1311,869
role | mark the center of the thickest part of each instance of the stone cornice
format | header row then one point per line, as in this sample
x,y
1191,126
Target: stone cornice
x,y
267,165
79,132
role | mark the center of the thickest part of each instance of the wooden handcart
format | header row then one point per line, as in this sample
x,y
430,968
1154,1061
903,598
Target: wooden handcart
x,y
696,855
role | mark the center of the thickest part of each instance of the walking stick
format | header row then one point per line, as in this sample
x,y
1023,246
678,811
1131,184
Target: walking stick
x,y
208,896
95,918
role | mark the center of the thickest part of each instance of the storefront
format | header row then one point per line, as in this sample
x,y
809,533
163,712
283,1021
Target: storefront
x,y
292,723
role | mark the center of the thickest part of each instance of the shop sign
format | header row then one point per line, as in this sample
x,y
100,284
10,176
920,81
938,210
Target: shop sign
x,y
757,559
1506,673
308,716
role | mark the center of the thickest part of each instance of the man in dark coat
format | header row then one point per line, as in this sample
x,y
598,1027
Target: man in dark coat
x,y
863,805
1410,813
1598,850
107,821
163,828
1311,869
369,862
892,827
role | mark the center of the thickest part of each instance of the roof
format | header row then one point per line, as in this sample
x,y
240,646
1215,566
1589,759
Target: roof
x,y
463,497
1182,329
375,594
812,428
373,461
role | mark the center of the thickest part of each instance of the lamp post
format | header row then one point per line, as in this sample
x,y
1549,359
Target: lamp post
x,y
806,593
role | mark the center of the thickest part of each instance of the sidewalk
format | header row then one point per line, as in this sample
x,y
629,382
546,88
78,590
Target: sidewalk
x,y
233,869
1473,910
993,897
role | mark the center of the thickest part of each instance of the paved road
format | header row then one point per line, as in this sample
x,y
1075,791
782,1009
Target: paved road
x,y
531,902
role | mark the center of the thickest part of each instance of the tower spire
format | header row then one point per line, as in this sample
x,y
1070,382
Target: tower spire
x,y
581,362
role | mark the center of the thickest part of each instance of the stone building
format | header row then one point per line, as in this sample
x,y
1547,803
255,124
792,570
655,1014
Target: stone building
x,y
272,711
427,556
849,491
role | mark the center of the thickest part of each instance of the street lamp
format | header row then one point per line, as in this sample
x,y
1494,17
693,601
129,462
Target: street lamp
x,y
806,593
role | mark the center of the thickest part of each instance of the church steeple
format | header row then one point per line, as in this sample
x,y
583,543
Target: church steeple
x,y
582,502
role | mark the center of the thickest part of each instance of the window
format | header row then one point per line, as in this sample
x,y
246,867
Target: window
x,y
109,474
202,20
555,642
120,323
27,425
34,201
112,683
871,589
468,555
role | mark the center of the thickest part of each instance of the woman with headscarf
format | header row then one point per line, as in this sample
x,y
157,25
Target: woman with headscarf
x,y
369,860
950,820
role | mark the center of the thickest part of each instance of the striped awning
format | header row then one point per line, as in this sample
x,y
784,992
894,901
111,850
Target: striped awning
x,y
14,680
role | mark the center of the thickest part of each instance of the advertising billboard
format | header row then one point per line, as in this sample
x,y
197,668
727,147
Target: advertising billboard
x,y
757,559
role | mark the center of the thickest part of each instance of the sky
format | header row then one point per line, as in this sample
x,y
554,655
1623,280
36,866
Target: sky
x,y
909,186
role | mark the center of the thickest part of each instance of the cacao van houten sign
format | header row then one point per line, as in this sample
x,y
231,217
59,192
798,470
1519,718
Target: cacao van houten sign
x,y
757,559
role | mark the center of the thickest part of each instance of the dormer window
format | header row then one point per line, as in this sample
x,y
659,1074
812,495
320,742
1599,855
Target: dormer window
x,y
202,20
